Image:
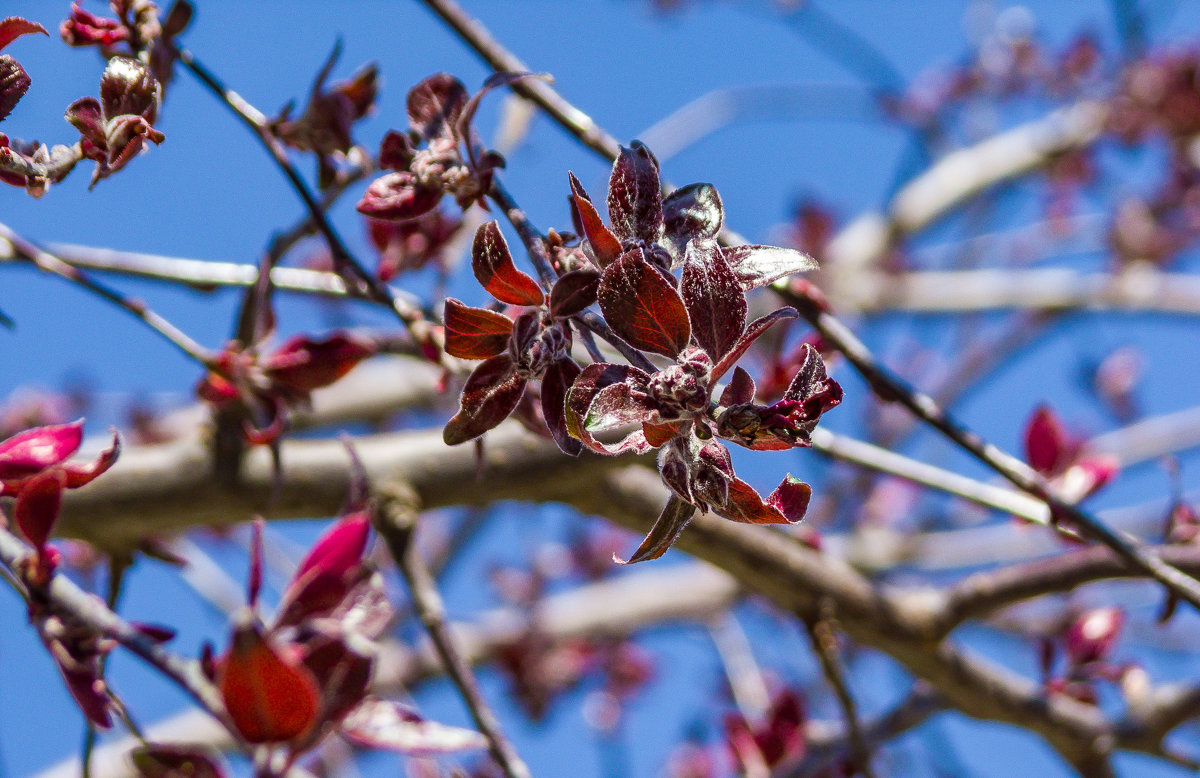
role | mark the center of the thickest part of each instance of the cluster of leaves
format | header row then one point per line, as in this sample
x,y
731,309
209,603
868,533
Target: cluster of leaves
x,y
290,683
35,470
699,321
1087,643
1073,472
440,154
114,127
261,388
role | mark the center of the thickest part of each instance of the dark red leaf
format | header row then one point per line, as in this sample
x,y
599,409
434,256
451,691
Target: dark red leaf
x,y
81,475
674,517
573,292
86,116
617,406
88,690
744,505
605,246
1048,446
398,196
494,269
14,27
37,506
303,364
34,450
739,390
643,307
435,105
269,698
757,266
343,675
791,498
390,726
128,88
171,760
14,83
475,333
339,550
555,384
659,434
691,212
635,195
594,379
715,303
491,393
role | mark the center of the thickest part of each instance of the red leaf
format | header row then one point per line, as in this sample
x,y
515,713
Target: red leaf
x,y
643,307
635,195
740,389
573,292
494,269
398,196
674,517
555,384
791,498
753,332
435,104
659,434
757,266
715,303
1048,446
605,246
269,698
388,725
747,507
594,379
37,507
34,450
81,475
491,393
339,550
475,333
14,27
303,364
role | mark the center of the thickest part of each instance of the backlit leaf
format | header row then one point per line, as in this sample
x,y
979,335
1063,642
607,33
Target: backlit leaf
x,y
674,517
715,302
757,266
491,393
643,307
605,246
635,195
269,699
493,265
474,333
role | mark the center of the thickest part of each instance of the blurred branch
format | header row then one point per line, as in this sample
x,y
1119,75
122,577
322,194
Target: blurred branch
x,y
824,642
394,515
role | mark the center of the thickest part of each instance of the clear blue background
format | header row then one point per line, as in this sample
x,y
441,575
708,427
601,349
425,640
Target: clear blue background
x,y
209,192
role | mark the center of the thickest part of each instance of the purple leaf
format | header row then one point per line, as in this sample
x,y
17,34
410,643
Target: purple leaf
x,y
14,83
555,385
491,393
81,475
390,726
757,266
435,105
643,307
753,332
635,196
674,517
812,386
14,27
475,333
86,116
594,379
605,246
342,674
397,197
573,292
37,507
493,265
691,212
791,498
1048,446
715,303
304,364
744,505
740,389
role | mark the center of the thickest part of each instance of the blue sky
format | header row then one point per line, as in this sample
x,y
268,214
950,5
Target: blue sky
x,y
209,192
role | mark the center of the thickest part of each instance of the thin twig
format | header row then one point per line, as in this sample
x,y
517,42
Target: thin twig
x,y
395,518
49,263
342,257
66,599
824,643
891,387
